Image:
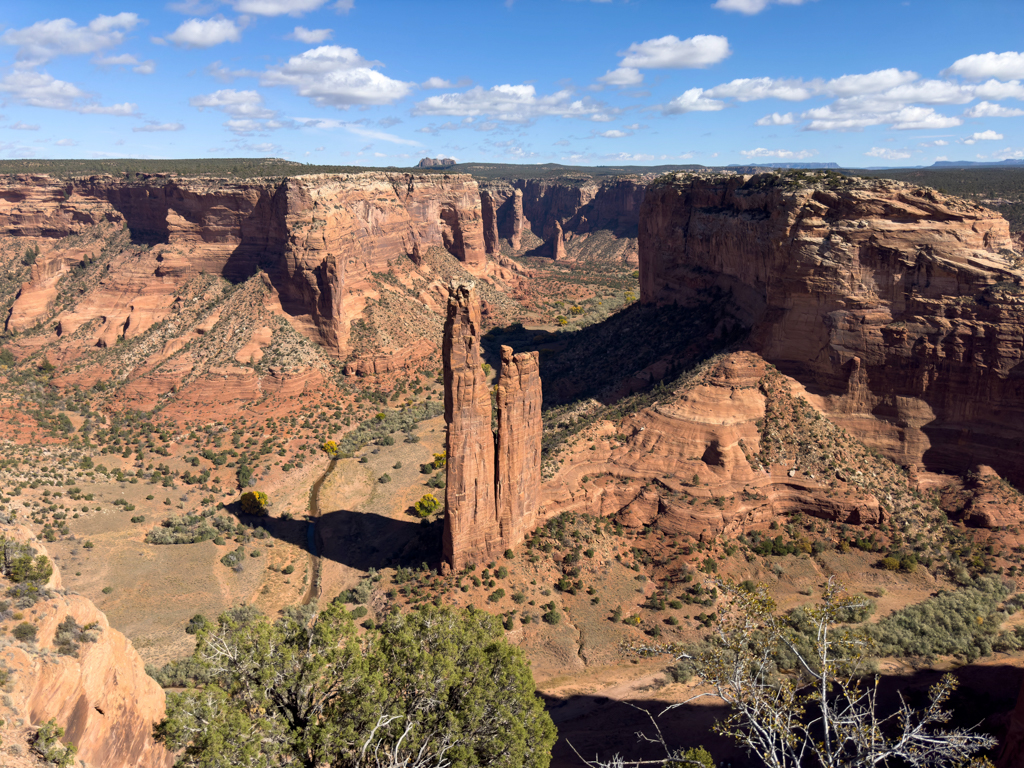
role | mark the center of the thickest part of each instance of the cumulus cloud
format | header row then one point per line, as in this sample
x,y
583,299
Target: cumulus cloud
x,y
435,82
199,33
20,126
147,67
984,136
887,154
276,7
750,89
670,52
152,126
856,114
1002,66
692,100
776,119
988,109
338,77
38,89
781,154
45,40
1009,154
751,7
510,103
310,36
235,103
622,76
613,134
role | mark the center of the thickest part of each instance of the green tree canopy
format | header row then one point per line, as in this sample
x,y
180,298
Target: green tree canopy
x,y
433,686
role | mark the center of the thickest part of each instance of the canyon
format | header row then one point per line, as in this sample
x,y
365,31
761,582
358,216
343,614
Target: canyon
x,y
837,361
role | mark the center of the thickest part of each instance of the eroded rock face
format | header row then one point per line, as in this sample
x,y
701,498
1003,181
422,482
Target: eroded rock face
x,y
519,222
492,490
470,523
489,213
891,304
518,444
100,695
317,237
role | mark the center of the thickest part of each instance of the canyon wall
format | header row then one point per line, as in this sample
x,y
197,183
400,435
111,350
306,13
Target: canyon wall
x,y
492,491
317,237
894,306
578,206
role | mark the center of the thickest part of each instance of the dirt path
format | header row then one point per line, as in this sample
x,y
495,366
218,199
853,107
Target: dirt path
x,y
311,542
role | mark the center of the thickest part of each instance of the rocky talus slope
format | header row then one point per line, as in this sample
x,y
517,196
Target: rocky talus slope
x,y
895,307
98,691
491,493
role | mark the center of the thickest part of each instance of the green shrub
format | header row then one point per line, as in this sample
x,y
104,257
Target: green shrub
x,y
24,632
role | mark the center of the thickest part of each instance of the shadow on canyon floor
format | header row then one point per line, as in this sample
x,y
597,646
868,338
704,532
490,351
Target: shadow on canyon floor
x,y
595,725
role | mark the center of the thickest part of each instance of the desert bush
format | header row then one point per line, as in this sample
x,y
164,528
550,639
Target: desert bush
x,y
24,632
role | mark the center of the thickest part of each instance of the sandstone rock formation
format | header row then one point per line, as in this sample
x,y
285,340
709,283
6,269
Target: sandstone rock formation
x,y
520,430
317,237
558,243
518,223
893,305
436,162
492,489
489,214
100,695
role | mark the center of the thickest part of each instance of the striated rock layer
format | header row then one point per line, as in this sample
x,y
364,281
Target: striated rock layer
x,y
317,237
492,491
893,305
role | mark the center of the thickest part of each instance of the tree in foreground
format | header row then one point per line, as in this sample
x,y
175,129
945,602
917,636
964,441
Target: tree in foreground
x,y
824,711
431,689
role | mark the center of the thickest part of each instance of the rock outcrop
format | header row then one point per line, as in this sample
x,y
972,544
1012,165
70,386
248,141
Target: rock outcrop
x,y
558,243
436,162
518,220
318,238
100,694
489,214
894,306
520,430
492,488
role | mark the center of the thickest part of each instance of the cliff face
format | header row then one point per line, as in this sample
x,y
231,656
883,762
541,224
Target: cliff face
x,y
470,523
100,694
518,444
318,238
492,488
578,207
891,304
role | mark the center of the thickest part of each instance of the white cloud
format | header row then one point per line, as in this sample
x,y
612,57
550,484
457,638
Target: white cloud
x,y
435,82
1009,154
20,126
197,33
355,128
622,76
776,119
627,157
344,6
276,7
751,7
749,89
510,103
46,40
147,67
310,36
1002,66
692,100
871,82
613,134
782,154
988,109
38,89
887,154
936,143
339,77
66,143
670,52
856,114
248,104
922,118
995,90
984,136
152,126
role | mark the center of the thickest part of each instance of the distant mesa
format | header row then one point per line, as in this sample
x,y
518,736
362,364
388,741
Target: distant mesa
x,y
436,162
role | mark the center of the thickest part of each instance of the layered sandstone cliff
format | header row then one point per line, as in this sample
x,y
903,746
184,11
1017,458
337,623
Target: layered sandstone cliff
x,y
894,306
318,238
493,481
565,212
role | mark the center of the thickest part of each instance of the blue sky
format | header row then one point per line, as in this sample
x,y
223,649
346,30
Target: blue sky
x,y
590,82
